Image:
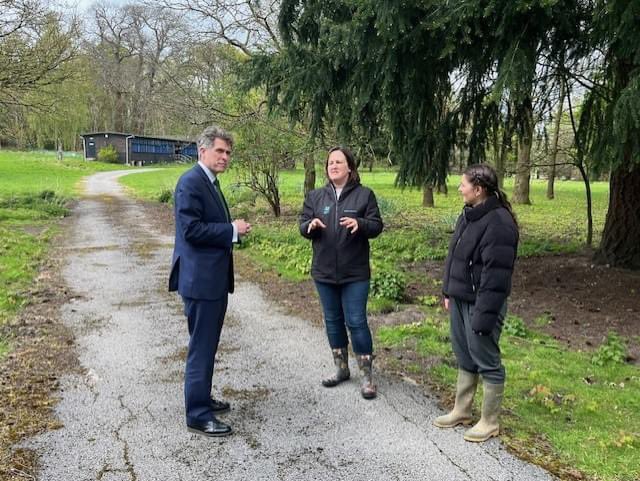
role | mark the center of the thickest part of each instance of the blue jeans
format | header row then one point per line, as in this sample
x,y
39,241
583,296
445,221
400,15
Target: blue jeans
x,y
346,305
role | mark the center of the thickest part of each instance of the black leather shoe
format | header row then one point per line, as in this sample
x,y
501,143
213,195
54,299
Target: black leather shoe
x,y
213,428
219,407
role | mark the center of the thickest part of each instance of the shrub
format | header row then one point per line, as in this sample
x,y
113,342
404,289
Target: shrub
x,y
449,222
429,301
514,326
612,350
387,208
240,194
47,195
284,249
165,196
388,284
108,154
46,202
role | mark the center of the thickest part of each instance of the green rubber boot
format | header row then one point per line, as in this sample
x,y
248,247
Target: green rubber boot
x,y
488,426
465,391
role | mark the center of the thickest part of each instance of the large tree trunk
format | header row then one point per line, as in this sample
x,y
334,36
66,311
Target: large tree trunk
x,y
427,196
309,173
523,167
620,245
554,149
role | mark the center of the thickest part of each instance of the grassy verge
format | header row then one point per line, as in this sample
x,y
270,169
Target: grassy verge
x,y
569,411
412,234
579,408
34,191
156,185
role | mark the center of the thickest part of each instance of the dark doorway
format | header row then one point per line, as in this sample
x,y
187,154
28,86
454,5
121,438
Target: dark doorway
x,y
91,148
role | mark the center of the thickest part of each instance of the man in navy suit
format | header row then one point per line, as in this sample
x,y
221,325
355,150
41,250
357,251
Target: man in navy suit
x,y
202,273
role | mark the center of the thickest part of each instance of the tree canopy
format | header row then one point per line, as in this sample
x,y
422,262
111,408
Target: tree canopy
x,y
436,76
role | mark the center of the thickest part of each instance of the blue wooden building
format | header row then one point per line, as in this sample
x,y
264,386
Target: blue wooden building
x,y
140,149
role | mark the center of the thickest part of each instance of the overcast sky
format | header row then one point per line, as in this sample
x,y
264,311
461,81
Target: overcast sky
x,y
83,5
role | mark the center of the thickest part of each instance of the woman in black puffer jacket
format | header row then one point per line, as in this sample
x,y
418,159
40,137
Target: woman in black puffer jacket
x,y
340,218
477,282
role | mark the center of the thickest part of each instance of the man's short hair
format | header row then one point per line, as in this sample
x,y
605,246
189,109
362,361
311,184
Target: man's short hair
x,y
210,134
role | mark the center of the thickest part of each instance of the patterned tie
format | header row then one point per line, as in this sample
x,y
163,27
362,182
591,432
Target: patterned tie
x,y
216,187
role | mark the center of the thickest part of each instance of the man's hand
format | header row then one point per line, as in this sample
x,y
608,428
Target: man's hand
x,y
445,301
315,224
242,227
350,223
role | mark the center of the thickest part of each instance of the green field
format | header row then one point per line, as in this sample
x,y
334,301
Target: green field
x,y
582,406
565,409
412,233
34,191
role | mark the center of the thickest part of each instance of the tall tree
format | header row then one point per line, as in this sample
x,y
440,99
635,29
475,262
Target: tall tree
x,y
35,44
554,148
250,27
610,125
133,47
363,66
505,64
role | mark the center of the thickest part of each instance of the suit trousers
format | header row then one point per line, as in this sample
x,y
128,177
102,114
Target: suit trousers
x,y
205,319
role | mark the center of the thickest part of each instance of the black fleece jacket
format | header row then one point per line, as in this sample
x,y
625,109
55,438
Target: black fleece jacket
x,y
340,257
479,266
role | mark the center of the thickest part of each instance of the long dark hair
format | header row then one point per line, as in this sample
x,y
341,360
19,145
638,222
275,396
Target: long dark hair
x,y
354,177
485,176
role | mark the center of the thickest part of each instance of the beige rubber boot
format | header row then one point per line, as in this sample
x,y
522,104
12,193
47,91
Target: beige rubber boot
x,y
488,426
341,360
461,413
367,389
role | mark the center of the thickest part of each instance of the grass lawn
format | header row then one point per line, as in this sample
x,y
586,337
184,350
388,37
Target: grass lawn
x,y
563,407
580,408
412,233
151,185
34,191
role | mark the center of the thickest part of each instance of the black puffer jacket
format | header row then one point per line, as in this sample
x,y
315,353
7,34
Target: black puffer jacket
x,y
340,257
481,256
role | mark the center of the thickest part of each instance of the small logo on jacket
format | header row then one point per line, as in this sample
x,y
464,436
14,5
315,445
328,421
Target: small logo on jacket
x,y
326,209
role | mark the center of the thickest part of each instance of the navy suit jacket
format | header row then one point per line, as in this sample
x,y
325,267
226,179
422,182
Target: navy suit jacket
x,y
202,266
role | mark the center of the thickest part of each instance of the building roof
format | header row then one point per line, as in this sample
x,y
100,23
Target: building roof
x,y
155,137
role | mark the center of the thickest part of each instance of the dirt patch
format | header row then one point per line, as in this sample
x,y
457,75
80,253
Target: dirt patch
x,y
296,298
161,215
41,352
570,298
178,356
567,297
582,301
260,392
405,314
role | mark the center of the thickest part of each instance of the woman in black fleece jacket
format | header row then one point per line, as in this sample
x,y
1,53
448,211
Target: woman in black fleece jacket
x,y
476,284
340,218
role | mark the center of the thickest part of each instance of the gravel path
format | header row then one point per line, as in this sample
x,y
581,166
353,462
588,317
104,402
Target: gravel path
x,y
123,417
